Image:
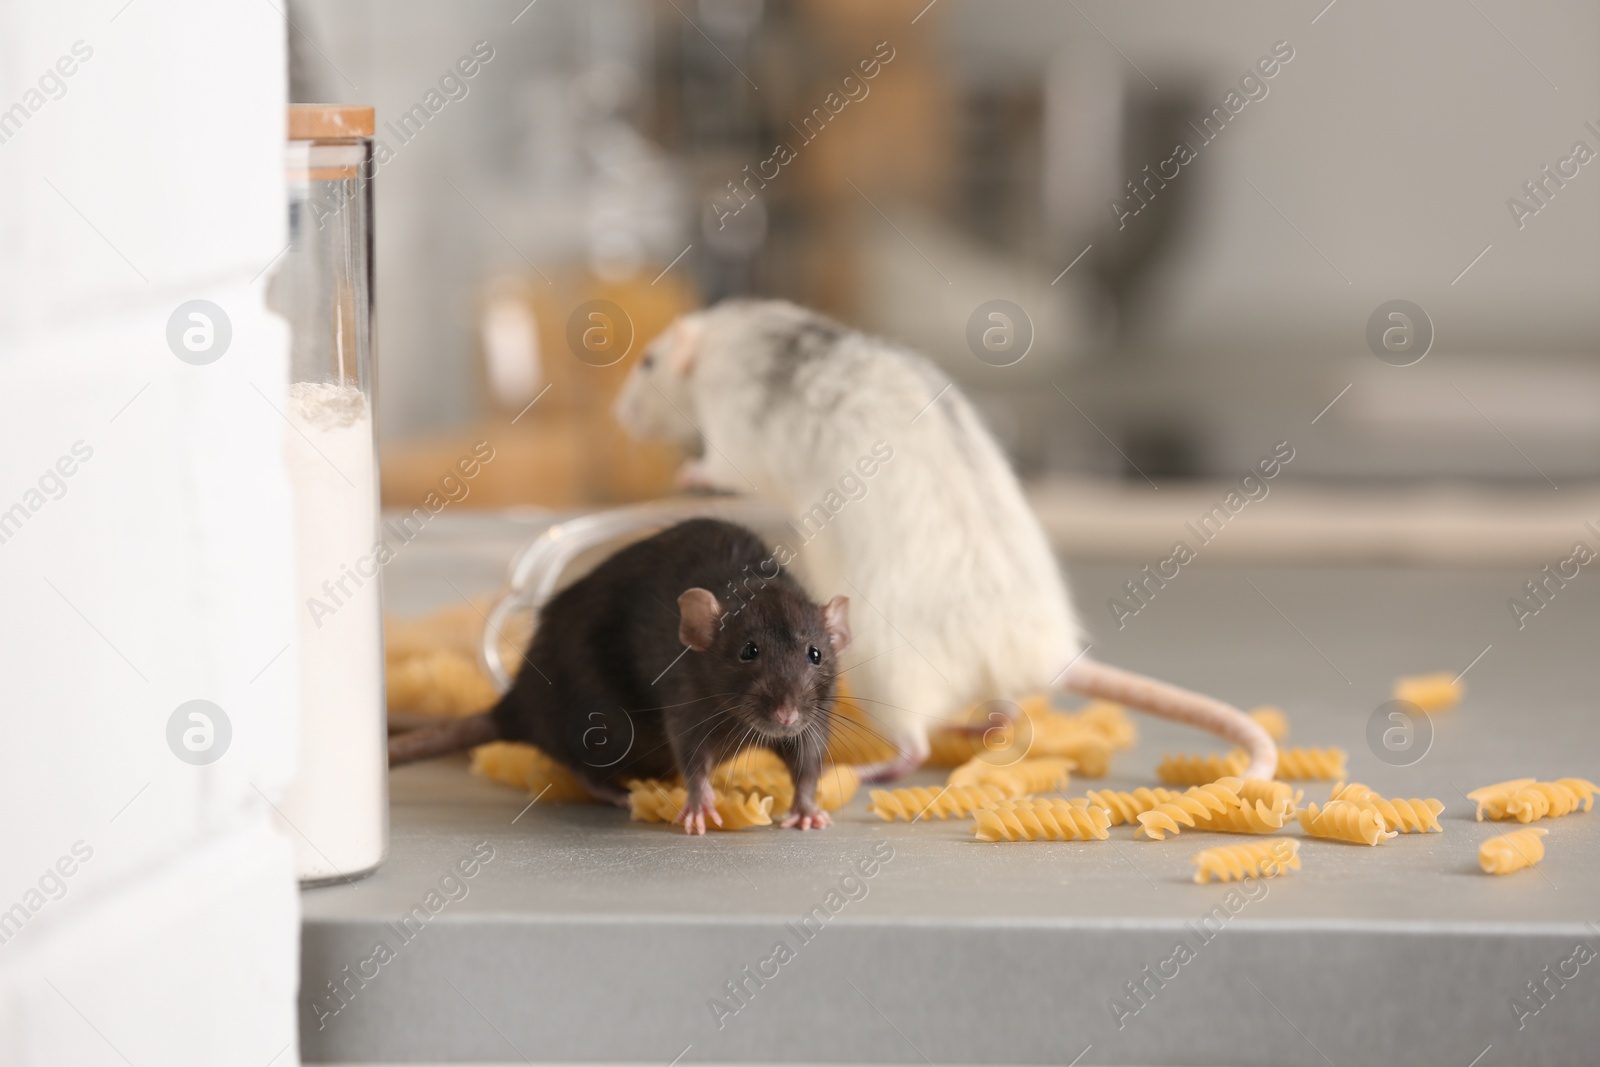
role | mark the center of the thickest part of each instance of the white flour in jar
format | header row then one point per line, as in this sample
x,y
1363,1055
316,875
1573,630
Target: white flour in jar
x,y
338,805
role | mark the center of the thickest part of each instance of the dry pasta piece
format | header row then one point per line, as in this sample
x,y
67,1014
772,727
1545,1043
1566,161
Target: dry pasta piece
x,y
1258,859
836,786
1111,721
754,760
955,746
1550,800
1088,737
655,801
1187,808
773,782
1126,807
1492,799
987,733
1247,818
1088,749
459,628
440,682
1037,707
1198,770
1273,794
1526,799
1430,692
1513,851
916,802
514,763
1342,820
979,769
1272,720
1403,816
1019,779
1041,819
1322,764
1583,788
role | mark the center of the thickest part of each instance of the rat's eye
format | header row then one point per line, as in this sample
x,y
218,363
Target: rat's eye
x,y
648,361
749,651
814,654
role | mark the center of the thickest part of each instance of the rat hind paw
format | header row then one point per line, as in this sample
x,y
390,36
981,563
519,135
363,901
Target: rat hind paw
x,y
809,818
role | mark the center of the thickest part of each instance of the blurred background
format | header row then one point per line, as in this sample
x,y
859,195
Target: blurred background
x,y
1192,247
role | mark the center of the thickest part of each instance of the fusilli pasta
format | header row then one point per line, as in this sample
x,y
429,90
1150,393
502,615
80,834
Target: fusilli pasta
x,y
1322,764
1273,794
1086,737
1550,800
1491,799
1403,816
440,681
1041,819
1342,820
1430,692
1513,851
953,747
836,785
916,802
1188,808
1198,770
1088,749
1019,779
654,801
1126,807
1272,720
514,763
1296,763
1110,721
1258,859
1527,799
1247,818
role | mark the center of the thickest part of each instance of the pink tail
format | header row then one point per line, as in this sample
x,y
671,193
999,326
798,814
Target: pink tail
x,y
1181,705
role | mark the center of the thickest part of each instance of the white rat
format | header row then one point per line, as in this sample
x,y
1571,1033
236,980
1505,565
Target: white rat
x,y
900,496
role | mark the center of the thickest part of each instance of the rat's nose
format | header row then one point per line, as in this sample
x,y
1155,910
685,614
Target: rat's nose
x,y
787,715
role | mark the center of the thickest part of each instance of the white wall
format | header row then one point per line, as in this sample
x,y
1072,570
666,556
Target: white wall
x,y
159,571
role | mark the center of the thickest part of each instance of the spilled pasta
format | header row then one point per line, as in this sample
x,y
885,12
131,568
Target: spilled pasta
x,y
1512,852
1258,859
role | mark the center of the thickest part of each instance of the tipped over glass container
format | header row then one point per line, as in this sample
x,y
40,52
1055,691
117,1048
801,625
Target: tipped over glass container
x,y
571,548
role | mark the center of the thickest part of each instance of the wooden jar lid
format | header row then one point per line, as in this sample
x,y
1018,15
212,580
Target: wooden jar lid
x,y
312,122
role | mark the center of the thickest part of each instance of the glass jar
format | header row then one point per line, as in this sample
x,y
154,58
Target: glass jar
x,y
337,809
567,550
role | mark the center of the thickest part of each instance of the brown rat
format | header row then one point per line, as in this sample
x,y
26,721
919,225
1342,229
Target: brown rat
x,y
671,656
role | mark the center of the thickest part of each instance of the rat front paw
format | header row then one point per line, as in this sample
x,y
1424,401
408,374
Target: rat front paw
x,y
696,811
807,818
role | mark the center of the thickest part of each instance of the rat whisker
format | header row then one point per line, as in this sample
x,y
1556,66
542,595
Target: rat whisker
x,y
858,737
681,704
936,718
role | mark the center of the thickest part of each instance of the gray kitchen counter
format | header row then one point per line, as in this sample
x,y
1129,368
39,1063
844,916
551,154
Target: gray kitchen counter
x,y
581,936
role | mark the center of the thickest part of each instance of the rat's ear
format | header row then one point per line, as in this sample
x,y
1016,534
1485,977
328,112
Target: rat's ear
x,y
683,344
698,612
836,620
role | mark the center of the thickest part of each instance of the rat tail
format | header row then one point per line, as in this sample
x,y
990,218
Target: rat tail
x,y
1097,680
441,740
